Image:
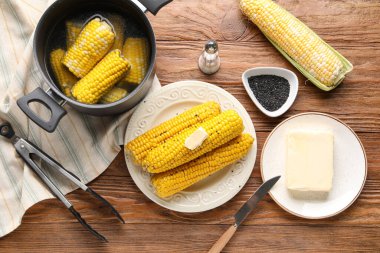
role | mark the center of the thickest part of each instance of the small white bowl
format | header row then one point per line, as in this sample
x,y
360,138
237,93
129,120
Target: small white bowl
x,y
287,74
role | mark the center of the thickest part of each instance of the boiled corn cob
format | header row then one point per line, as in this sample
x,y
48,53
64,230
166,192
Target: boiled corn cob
x,y
65,79
115,94
173,181
118,25
92,44
140,146
319,62
101,78
72,31
136,50
172,153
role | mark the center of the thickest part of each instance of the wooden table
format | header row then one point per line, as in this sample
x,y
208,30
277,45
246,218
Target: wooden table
x,y
351,26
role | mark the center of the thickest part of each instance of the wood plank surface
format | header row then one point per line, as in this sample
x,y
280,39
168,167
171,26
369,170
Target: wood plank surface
x,y
351,26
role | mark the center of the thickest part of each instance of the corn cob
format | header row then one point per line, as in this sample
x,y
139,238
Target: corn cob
x,y
319,62
136,50
65,79
115,94
140,146
72,31
172,153
118,25
101,78
178,179
92,44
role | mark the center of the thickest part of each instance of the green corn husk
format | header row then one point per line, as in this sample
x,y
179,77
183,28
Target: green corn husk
x,y
347,67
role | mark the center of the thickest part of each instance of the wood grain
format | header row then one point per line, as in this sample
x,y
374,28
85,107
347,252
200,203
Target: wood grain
x,y
70,237
351,26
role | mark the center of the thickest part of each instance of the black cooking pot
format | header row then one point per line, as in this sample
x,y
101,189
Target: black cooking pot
x,y
53,98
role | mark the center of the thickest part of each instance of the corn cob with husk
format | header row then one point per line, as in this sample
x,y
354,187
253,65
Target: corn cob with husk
x,y
64,77
178,179
136,50
101,78
172,153
118,25
73,30
92,44
115,94
140,146
313,57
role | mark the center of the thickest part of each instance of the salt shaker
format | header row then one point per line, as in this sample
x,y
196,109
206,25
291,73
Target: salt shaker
x,y
209,61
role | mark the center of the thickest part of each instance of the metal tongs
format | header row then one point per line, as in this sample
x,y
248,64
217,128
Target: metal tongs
x,y
26,149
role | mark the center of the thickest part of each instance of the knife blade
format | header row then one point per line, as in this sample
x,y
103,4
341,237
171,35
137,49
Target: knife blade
x,y
243,212
248,206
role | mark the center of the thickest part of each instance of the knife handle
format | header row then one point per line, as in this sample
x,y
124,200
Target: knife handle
x,y
223,240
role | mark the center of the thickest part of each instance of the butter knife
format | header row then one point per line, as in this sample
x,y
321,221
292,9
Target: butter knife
x,y
244,211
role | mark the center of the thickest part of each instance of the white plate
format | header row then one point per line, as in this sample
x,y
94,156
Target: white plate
x,y
169,101
350,167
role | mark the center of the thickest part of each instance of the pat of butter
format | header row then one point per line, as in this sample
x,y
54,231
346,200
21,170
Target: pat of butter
x,y
309,161
196,139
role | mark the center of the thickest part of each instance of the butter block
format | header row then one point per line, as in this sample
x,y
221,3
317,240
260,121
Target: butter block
x,y
196,139
310,160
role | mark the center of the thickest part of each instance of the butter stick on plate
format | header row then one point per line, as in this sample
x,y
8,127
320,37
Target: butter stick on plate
x,y
309,160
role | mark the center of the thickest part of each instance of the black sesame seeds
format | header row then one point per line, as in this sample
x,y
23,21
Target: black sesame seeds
x,y
271,91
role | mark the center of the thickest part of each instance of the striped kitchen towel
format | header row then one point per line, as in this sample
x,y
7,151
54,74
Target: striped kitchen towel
x,y
83,144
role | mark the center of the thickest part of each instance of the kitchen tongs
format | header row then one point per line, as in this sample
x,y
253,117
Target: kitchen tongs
x,y
26,150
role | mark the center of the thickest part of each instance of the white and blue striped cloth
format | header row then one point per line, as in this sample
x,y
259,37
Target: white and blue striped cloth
x,y
83,144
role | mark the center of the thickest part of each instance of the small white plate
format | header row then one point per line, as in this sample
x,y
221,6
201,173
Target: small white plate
x,y
350,167
164,104
287,74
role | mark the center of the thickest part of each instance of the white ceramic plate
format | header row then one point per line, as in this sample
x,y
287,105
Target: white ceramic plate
x,y
169,101
350,167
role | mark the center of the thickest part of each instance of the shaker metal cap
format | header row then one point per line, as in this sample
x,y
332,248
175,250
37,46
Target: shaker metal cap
x,y
211,47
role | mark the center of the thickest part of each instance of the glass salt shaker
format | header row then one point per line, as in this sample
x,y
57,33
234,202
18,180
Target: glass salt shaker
x,y
209,61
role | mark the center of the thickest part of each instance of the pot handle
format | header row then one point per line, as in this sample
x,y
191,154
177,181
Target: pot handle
x,y
154,6
48,100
